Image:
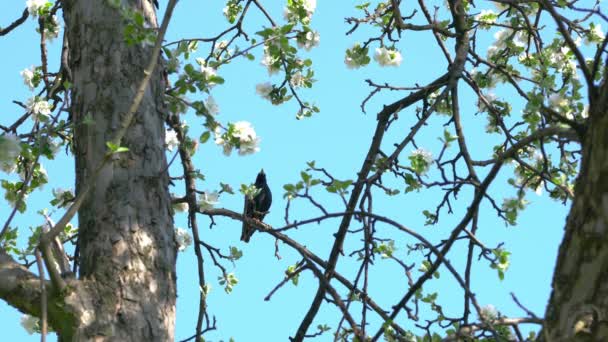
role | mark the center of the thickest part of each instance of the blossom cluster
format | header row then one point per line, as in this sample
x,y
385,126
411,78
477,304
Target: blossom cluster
x,y
300,10
421,161
239,135
183,239
357,57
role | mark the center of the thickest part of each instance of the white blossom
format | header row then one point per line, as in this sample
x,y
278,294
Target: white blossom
x,y
240,135
12,200
181,207
28,77
171,140
222,44
499,42
207,71
9,147
209,200
310,6
501,38
560,104
61,197
8,166
38,107
58,192
264,90
51,30
488,312
183,239
311,39
297,80
269,62
34,5
356,57
486,17
219,140
249,141
595,35
30,323
212,106
539,188
422,159
386,57
351,63
585,112
481,105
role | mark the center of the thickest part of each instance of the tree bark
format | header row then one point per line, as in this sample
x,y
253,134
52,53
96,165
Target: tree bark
x,y
126,290
578,307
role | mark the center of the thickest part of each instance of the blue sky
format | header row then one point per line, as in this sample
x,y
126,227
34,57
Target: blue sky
x,y
337,139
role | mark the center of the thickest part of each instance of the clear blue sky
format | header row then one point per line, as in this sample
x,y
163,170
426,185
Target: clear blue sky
x,y
337,138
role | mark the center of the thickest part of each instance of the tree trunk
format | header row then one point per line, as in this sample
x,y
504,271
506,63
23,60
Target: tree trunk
x,y
578,307
126,237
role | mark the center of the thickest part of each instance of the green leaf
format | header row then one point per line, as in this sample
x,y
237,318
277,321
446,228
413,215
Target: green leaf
x,y
116,148
204,137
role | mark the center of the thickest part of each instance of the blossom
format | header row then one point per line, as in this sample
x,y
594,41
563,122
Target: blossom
x,y
239,135
486,18
386,57
264,90
356,57
13,197
33,6
62,196
183,239
9,147
486,79
504,36
560,104
171,140
297,80
30,323
310,6
28,77
595,34
489,98
219,140
38,107
222,44
211,106
270,62
209,200
309,40
52,28
249,141
39,173
585,112
421,161
207,72
181,207
290,13
488,312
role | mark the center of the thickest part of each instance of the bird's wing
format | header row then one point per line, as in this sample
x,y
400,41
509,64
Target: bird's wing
x,y
247,212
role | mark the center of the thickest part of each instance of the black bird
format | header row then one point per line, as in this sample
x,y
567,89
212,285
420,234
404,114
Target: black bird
x,y
258,207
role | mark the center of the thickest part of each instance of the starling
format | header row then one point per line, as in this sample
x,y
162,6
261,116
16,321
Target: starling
x,y
257,207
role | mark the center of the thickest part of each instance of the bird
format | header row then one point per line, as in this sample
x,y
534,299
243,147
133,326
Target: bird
x,y
257,207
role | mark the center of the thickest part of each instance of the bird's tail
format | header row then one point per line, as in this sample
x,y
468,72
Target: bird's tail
x,y
246,232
